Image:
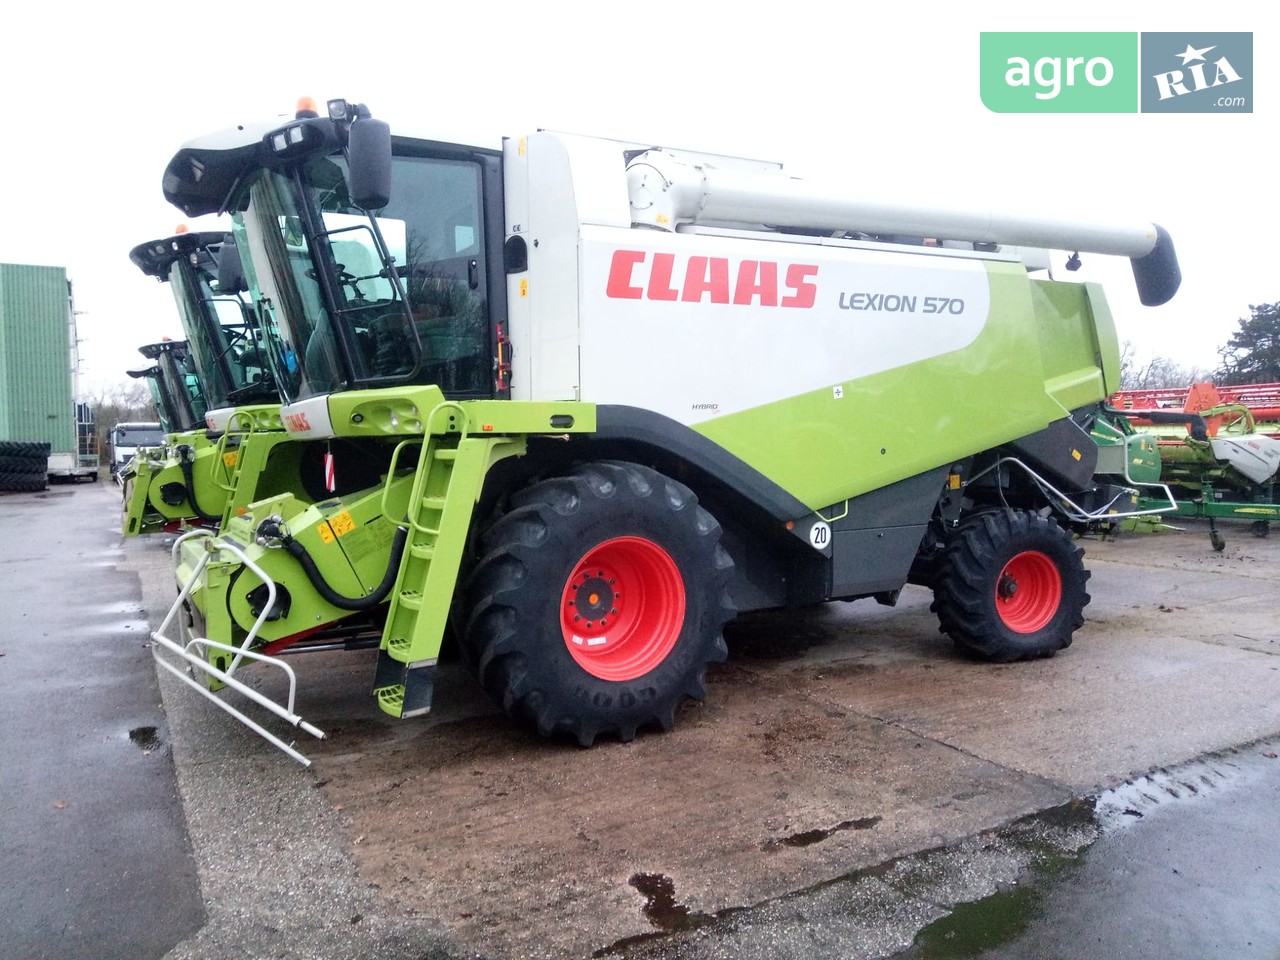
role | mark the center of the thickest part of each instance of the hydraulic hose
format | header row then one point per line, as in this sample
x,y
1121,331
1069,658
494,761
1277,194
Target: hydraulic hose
x,y
186,459
1196,426
272,529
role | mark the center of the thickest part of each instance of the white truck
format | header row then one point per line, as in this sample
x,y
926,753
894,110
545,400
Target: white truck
x,y
127,439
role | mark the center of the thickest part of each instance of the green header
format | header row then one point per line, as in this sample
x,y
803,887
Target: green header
x,y
1060,72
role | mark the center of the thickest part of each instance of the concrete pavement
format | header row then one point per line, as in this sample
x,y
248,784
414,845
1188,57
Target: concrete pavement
x,y
94,857
847,782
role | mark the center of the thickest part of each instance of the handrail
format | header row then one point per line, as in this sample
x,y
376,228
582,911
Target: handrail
x,y
196,661
1073,510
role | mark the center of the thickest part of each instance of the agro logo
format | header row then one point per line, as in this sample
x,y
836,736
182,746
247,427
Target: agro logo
x,y
1051,74
1059,72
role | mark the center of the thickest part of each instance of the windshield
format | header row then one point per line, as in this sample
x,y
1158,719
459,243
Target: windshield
x,y
342,318
179,384
139,435
224,344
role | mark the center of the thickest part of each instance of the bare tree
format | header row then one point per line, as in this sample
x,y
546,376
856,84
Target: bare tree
x,y
1157,373
121,403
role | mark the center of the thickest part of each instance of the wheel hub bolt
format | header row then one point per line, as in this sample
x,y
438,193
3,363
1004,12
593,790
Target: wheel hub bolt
x,y
1007,587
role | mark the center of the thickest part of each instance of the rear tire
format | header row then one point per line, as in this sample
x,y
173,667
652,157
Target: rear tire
x,y
1010,586
598,602
24,482
25,449
23,463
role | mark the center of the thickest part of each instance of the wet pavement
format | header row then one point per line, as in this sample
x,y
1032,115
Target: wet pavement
x,y
1187,867
94,857
1181,864
850,788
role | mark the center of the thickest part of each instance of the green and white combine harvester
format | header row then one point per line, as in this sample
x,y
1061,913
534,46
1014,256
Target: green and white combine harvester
x,y
222,398
177,391
579,402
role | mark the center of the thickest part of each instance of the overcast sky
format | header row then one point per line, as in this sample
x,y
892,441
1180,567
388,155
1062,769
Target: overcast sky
x,y
883,97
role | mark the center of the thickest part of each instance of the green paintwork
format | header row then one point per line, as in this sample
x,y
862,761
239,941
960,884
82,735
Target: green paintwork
x,y
228,472
902,422
1221,509
444,494
407,411
146,474
37,351
1125,454
349,538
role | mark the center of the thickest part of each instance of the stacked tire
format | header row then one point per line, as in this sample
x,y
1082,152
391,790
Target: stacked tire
x,y
24,466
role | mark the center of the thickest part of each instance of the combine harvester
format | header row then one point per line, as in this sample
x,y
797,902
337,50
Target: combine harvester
x,y
177,391
589,400
1218,448
225,407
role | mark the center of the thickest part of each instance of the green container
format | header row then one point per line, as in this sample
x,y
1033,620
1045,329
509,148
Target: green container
x,y
36,361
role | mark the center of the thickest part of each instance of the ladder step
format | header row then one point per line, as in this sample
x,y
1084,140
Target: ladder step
x,y
433,503
397,648
423,551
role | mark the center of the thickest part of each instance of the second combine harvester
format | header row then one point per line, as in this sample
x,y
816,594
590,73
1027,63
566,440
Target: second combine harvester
x,y
588,400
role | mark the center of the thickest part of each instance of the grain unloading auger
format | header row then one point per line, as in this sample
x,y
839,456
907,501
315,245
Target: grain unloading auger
x,y
590,399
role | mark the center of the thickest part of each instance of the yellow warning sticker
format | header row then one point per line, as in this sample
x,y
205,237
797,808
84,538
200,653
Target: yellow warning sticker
x,y
524,287
338,526
231,459
342,524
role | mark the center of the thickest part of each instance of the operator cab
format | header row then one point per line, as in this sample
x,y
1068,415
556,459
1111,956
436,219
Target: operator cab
x,y
175,385
208,281
380,259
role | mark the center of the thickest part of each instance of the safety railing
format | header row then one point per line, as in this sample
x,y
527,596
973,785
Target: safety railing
x,y
193,652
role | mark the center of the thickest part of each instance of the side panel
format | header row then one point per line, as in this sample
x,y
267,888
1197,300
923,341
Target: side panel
x,y
545,339
734,323
1078,346
874,545
871,368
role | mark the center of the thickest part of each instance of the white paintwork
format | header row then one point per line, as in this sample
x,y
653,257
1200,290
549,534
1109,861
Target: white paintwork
x,y
693,360
1254,455
667,190
308,419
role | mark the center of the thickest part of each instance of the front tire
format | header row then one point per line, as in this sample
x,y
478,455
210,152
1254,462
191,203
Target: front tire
x,y
1010,586
597,602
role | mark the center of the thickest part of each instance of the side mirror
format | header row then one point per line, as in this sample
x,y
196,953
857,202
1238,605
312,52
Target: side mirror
x,y
231,277
369,159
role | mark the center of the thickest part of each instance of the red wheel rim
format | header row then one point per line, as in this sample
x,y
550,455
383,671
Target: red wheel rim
x,y
622,609
1028,592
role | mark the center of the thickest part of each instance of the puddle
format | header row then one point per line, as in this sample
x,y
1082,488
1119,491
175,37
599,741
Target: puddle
x,y
663,911
989,888
145,738
808,838
971,928
660,904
